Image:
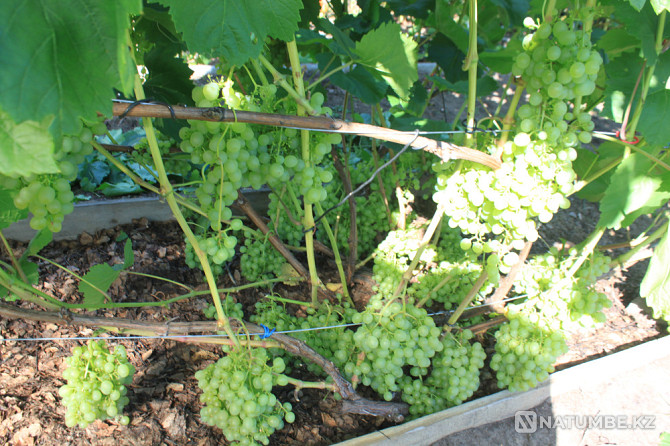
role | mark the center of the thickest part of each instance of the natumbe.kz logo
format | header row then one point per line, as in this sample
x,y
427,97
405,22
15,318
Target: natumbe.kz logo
x,y
528,422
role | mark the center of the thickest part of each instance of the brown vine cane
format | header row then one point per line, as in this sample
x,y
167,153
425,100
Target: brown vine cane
x,y
444,150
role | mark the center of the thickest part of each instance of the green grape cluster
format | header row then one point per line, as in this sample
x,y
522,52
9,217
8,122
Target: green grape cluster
x,y
237,393
289,232
371,218
572,301
526,349
230,307
497,209
335,344
454,376
260,260
447,284
49,198
96,384
176,163
393,256
558,64
237,155
396,336
218,247
74,149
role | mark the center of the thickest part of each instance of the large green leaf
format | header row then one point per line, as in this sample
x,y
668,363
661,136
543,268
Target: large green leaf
x,y
8,212
641,24
62,60
358,81
656,117
96,282
631,188
655,286
392,54
637,4
589,163
26,148
660,5
234,29
39,241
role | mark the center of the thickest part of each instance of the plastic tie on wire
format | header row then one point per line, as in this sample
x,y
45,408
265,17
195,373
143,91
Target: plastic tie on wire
x,y
267,332
633,142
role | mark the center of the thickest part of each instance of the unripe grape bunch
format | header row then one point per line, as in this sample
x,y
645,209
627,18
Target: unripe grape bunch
x,y
238,399
497,209
96,384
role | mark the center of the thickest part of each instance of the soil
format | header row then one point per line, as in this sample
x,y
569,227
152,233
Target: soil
x,y
164,397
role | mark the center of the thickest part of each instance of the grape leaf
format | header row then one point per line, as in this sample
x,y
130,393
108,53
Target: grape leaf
x,y
589,163
455,32
444,52
655,286
630,189
96,282
655,118
235,30
26,148
660,5
642,25
39,241
8,212
502,60
64,60
485,85
392,54
99,278
637,4
358,81
128,257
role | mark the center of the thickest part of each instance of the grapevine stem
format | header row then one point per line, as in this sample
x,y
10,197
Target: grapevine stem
x,y
470,65
637,149
551,6
336,252
288,301
623,258
81,278
382,189
587,247
168,192
281,80
496,300
15,262
308,218
299,384
25,291
648,77
427,236
345,176
508,120
259,72
328,74
139,181
467,300
435,289
318,123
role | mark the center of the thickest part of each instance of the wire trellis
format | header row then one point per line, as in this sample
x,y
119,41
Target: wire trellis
x,y
265,334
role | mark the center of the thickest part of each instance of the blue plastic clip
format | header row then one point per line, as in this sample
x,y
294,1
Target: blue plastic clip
x,y
267,332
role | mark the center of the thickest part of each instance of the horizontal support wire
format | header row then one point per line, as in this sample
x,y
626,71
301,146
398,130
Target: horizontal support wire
x,y
178,337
